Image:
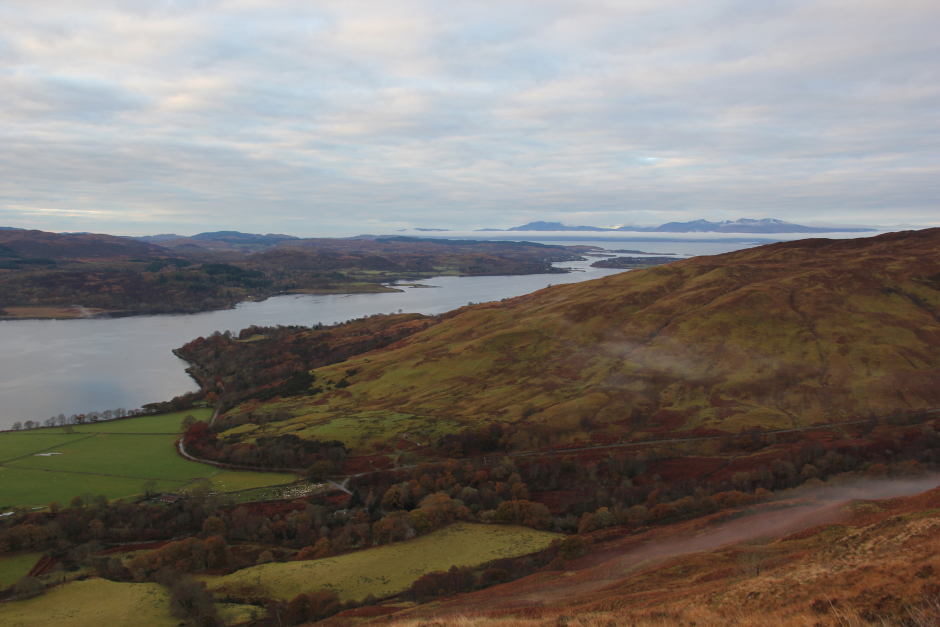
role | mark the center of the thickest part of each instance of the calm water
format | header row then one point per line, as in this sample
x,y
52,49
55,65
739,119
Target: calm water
x,y
48,367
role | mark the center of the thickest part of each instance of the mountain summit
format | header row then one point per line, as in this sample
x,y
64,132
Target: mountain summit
x,y
744,225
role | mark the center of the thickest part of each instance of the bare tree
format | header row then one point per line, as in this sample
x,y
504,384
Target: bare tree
x,y
752,556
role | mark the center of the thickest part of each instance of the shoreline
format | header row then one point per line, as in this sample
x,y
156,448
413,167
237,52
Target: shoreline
x,y
77,312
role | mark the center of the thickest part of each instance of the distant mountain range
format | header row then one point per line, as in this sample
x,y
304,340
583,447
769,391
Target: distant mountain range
x,y
231,237
744,225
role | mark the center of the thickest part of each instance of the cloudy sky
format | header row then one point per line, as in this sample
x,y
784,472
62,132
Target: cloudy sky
x,y
335,118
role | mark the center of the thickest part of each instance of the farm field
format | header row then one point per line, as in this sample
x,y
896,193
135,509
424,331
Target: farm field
x,y
91,603
17,444
389,569
15,567
37,488
114,458
94,602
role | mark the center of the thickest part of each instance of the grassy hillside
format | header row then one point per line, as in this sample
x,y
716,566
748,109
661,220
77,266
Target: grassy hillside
x,y
388,569
785,335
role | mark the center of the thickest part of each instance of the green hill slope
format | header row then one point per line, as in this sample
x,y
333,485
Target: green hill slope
x,y
783,335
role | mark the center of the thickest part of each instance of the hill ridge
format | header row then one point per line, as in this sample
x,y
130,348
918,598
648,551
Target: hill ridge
x,y
789,334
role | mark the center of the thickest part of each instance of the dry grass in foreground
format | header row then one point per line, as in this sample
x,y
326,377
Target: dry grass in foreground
x,y
922,615
844,564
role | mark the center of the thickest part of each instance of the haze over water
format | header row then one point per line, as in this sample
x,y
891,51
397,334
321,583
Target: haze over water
x,y
50,367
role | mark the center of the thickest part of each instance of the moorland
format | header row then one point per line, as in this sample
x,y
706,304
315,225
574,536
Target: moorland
x,y
750,438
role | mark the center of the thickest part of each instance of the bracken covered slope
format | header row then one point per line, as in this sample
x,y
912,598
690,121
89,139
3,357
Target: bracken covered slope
x,y
816,562
790,334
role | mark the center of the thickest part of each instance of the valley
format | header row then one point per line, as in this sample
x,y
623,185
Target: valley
x,y
690,443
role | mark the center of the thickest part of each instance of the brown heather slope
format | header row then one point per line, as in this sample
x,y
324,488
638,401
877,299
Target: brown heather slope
x,y
814,562
790,334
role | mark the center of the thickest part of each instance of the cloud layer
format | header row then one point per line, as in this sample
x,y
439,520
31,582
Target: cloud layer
x,y
334,118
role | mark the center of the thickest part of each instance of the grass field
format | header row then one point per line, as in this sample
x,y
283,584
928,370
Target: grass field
x,y
113,458
18,444
15,567
22,488
392,568
121,455
91,603
96,602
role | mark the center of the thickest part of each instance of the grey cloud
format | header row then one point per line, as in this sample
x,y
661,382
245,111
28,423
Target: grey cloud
x,y
364,110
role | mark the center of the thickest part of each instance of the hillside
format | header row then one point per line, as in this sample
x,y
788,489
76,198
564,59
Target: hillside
x,y
71,275
827,560
17,245
786,335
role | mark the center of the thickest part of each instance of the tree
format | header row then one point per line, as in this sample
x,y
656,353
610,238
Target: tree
x,y
573,547
213,526
319,470
315,606
150,488
17,425
188,422
217,553
395,526
191,600
28,587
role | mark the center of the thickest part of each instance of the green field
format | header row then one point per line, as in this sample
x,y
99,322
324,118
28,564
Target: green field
x,y
96,602
91,603
389,569
15,567
114,458
19,488
161,423
362,431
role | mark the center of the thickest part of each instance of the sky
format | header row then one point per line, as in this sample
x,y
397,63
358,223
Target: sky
x,y
321,118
